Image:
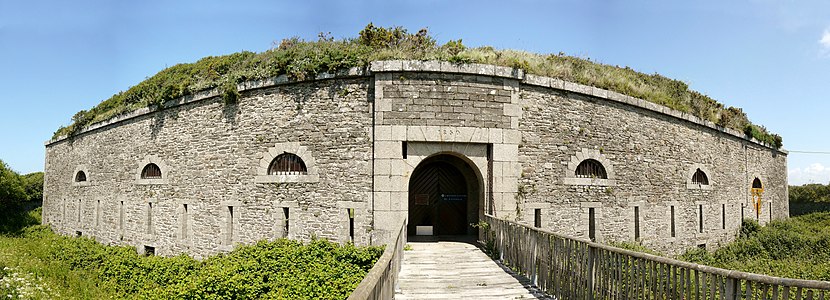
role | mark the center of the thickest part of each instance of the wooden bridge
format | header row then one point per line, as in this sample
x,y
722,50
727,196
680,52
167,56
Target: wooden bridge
x,y
550,265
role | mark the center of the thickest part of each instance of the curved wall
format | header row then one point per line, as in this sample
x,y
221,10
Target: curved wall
x,y
363,132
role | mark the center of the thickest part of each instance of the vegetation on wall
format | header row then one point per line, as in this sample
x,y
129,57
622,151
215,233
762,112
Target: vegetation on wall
x,y
38,264
300,59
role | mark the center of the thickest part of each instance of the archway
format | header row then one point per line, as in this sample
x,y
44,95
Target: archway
x,y
444,196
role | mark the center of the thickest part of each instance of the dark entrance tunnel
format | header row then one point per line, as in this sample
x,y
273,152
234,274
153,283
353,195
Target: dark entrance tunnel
x,y
443,193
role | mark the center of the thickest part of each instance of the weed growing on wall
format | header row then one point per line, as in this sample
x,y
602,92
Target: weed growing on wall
x,y
301,60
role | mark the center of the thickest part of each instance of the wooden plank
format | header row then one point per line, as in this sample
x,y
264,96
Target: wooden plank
x,y
654,276
774,292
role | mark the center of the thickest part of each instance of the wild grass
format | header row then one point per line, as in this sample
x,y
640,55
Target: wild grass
x,y
300,59
38,264
795,248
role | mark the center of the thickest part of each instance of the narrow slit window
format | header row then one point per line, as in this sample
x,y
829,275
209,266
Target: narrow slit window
x,y
229,226
672,221
97,213
742,212
121,216
285,222
723,216
80,176
700,218
79,211
636,223
700,178
350,211
591,168
592,227
185,222
770,210
287,164
150,218
151,171
537,217
404,153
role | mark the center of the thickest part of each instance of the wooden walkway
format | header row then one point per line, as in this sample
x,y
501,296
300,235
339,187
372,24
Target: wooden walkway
x,y
458,270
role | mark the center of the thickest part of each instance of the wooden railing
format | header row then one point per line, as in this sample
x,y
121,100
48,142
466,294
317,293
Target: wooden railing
x,y
571,268
382,279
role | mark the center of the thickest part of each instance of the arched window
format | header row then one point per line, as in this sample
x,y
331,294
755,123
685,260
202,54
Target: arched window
x,y
756,184
287,164
700,178
151,171
80,176
591,168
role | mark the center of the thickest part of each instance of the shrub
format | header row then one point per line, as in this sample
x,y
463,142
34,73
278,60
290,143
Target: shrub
x,y
749,227
795,248
281,269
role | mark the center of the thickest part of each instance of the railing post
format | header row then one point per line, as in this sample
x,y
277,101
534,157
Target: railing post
x,y
533,266
592,253
732,289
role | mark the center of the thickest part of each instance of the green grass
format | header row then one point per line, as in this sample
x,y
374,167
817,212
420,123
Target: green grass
x,y
38,264
300,59
795,248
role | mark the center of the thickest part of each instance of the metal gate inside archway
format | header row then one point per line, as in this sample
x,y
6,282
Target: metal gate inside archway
x,y
442,199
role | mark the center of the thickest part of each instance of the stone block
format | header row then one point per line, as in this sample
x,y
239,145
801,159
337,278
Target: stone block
x,y
398,133
513,110
537,80
505,152
495,135
383,166
383,201
388,149
511,136
383,133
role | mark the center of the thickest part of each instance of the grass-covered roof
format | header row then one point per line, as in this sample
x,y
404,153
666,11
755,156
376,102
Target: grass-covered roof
x,y
301,59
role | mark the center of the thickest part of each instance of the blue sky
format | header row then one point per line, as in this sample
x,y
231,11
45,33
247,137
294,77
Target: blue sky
x,y
771,58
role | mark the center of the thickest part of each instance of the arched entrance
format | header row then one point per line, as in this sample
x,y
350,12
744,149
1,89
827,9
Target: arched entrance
x,y
444,194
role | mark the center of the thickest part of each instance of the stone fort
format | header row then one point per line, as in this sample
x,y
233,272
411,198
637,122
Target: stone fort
x,y
347,156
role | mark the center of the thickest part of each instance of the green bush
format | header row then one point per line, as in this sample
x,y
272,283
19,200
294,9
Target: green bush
x,y
749,227
300,59
795,248
82,268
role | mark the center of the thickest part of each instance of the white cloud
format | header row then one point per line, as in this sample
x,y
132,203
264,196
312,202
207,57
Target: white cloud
x,y
814,173
825,42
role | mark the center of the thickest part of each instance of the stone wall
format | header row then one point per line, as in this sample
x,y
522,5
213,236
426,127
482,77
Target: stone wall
x,y
363,132
653,157
211,153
